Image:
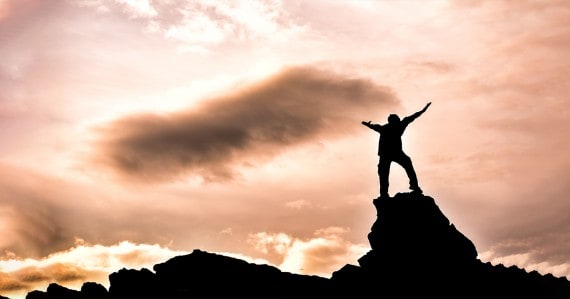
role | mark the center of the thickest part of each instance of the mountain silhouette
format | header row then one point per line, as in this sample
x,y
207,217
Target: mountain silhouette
x,y
415,253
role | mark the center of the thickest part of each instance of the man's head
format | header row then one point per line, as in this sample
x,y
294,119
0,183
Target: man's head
x,y
393,119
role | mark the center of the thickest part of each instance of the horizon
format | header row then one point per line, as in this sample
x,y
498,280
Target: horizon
x,y
136,131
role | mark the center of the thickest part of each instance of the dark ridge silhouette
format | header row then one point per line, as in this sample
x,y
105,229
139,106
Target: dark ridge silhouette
x,y
55,291
415,253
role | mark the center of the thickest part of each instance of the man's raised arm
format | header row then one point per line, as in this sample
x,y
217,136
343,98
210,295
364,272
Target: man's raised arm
x,y
412,117
372,126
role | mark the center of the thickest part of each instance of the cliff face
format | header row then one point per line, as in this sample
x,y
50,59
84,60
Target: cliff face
x,y
416,253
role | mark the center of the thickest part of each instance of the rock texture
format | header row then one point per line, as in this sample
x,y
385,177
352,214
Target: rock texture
x,y
416,253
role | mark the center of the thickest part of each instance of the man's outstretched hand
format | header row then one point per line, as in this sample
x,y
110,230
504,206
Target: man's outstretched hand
x,y
425,108
366,123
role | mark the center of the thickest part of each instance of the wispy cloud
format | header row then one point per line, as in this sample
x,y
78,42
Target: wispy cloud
x,y
200,26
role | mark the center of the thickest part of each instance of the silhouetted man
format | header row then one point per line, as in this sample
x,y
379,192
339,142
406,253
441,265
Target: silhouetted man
x,y
390,149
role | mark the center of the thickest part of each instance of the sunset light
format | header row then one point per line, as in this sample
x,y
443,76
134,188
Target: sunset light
x,y
134,131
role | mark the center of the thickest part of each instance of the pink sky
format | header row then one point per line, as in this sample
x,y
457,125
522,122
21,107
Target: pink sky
x,y
134,131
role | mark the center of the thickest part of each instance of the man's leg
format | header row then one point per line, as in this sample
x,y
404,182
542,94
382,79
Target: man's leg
x,y
383,173
406,162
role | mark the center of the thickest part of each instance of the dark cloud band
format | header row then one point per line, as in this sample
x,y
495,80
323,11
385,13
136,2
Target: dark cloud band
x,y
250,124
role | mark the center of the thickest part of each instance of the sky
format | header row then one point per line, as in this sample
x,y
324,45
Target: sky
x,y
133,131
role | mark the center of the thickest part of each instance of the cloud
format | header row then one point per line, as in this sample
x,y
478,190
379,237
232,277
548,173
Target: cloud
x,y
250,124
79,264
266,242
10,284
298,204
30,215
139,8
322,254
202,26
42,214
539,233
528,263
327,251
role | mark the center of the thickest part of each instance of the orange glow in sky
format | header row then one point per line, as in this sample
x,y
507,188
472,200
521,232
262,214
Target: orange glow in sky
x,y
133,131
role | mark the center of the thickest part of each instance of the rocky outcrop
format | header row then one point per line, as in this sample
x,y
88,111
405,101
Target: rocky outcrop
x,y
417,253
411,231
